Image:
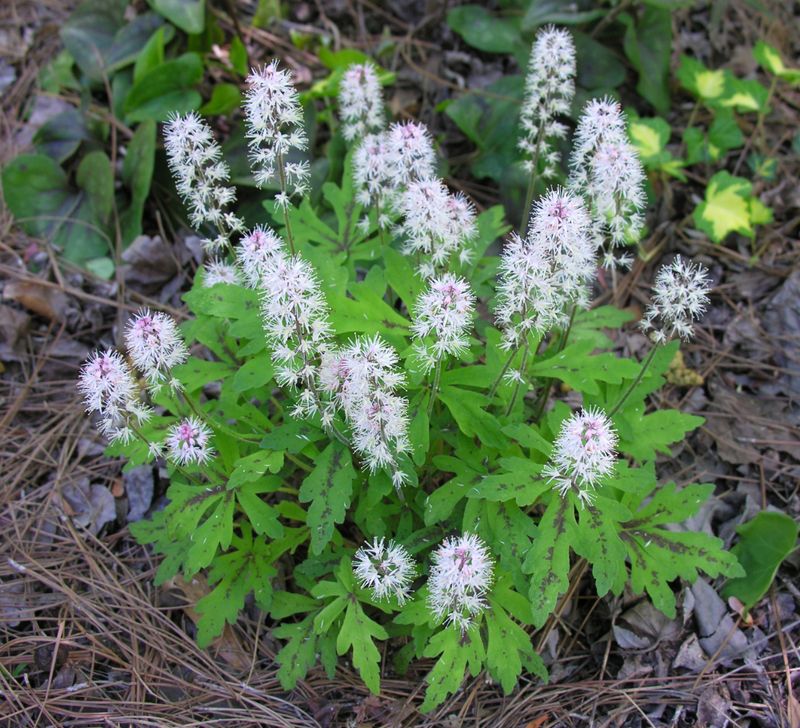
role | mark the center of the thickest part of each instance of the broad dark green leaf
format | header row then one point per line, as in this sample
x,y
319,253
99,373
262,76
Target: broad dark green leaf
x,y
188,15
166,89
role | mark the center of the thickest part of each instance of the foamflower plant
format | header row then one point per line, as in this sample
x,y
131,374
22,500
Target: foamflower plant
x,y
362,418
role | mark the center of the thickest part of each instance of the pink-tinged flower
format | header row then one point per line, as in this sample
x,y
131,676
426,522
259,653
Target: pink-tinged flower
x,y
600,122
274,120
616,191
680,296
549,89
155,346
295,319
437,225
543,276
256,251
385,568
109,389
442,319
461,575
201,177
187,442
373,176
411,153
360,102
361,380
584,453
218,271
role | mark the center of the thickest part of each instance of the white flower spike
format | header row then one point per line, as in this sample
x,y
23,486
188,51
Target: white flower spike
x,y
386,569
274,120
680,297
201,177
584,453
187,442
442,319
155,346
549,89
461,575
360,102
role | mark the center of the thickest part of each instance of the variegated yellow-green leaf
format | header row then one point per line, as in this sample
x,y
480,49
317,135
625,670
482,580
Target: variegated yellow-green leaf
x,y
705,84
729,207
770,60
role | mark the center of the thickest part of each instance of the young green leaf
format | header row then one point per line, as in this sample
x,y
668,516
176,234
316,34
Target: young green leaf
x,y
356,633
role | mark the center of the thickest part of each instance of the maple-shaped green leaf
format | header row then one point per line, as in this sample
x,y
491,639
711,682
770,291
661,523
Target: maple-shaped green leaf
x,y
299,654
598,541
247,568
547,560
771,61
582,371
252,467
642,436
262,516
728,207
469,411
328,487
659,556
509,648
456,653
356,633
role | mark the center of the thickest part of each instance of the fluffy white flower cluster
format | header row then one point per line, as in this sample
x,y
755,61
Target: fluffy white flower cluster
x,y
385,163
543,276
296,324
360,102
256,252
461,575
187,442
680,296
549,89
442,320
195,160
386,569
155,346
583,454
217,272
606,169
109,388
274,120
108,385
436,225
361,379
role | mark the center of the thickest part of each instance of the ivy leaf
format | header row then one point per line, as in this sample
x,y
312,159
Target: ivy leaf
x,y
328,488
770,60
727,207
456,653
705,85
548,559
357,632
764,542
507,648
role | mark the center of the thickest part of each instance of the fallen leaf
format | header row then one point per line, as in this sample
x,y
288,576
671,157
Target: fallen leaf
x,y
48,302
89,506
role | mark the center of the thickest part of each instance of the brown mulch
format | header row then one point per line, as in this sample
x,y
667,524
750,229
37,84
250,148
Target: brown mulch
x,y
86,639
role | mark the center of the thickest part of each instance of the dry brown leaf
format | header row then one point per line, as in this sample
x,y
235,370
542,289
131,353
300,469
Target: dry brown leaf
x,y
227,646
539,722
47,302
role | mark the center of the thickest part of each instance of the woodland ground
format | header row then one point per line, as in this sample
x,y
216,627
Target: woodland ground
x,y
85,637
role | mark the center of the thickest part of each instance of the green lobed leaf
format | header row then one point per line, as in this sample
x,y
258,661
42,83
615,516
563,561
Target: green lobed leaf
x,y
547,560
456,653
357,633
328,488
508,648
